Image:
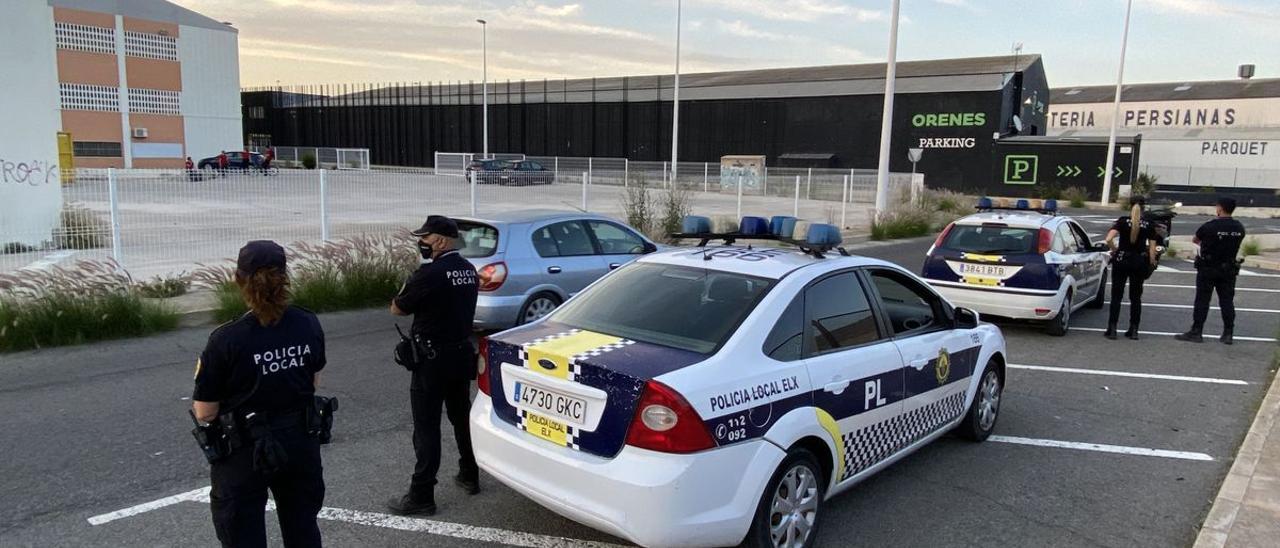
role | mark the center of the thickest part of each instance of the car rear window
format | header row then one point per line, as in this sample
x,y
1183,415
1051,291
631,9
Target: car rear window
x,y
687,308
991,239
478,240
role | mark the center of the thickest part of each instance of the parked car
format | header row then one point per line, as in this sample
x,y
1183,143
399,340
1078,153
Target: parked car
x,y
532,261
707,396
1021,263
528,172
235,160
487,171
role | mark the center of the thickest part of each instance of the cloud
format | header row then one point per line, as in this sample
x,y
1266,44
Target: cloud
x,y
561,11
957,4
1213,8
743,30
843,55
796,10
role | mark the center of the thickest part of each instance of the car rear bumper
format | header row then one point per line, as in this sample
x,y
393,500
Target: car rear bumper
x,y
495,312
650,498
1006,303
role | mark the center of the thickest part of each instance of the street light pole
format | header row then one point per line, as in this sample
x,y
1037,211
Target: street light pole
x,y
675,104
1115,110
484,86
886,122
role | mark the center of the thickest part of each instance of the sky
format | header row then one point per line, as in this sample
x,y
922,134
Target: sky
x,y
345,41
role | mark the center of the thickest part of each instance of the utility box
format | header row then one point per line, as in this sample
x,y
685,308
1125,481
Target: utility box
x,y
745,170
1036,166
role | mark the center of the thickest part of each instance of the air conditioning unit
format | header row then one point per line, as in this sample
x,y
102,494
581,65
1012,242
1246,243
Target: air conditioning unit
x,y
139,133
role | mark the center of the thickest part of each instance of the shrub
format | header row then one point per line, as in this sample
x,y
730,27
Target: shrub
x,y
161,287
1048,191
1143,185
81,228
90,301
901,223
638,205
1252,246
676,204
308,161
936,209
1076,195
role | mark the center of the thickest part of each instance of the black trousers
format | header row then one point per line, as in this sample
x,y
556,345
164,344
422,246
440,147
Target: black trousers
x,y
1133,276
1209,281
239,494
427,394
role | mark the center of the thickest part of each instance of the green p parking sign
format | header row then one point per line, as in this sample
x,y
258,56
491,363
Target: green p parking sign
x,y
1021,169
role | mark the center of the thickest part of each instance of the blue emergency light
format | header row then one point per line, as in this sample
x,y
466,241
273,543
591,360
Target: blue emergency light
x,y
985,203
782,225
753,226
1023,204
1050,205
823,235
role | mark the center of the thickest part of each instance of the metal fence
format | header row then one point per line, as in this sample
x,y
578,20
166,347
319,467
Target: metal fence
x,y
1214,177
326,157
165,222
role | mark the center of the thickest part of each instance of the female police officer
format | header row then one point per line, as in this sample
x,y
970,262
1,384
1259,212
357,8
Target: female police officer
x,y
256,378
1133,246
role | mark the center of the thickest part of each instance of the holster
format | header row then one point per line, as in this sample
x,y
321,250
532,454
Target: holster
x,y
213,441
320,418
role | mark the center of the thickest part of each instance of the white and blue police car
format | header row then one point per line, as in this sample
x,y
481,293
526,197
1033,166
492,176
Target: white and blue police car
x,y
703,396
1019,262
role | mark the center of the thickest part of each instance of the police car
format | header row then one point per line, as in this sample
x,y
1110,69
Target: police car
x,y
701,396
1019,262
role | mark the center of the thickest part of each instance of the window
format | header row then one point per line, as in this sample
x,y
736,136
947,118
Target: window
x,y
477,240
838,315
88,38
1063,241
910,307
567,239
688,308
154,101
1081,237
150,46
991,238
784,342
257,113
96,149
615,240
89,97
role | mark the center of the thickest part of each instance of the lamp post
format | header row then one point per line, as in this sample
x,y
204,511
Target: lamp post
x,y
886,123
675,105
484,86
1115,110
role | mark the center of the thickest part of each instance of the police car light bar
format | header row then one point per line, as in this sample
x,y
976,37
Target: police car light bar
x,y
819,239
1047,207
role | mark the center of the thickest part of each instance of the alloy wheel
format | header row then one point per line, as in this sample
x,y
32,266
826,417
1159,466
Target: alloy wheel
x,y
795,508
988,400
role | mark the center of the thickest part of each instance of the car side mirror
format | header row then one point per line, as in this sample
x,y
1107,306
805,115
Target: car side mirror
x,y
1101,246
966,318
649,247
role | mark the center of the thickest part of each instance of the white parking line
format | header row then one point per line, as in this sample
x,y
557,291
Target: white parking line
x,y
1103,448
1112,373
1168,334
1243,272
1189,307
386,521
1238,289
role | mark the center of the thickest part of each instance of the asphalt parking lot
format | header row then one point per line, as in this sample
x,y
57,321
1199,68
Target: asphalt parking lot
x,y
1100,443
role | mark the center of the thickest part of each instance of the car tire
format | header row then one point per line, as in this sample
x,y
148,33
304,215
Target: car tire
x,y
792,496
981,418
537,307
1061,323
1101,298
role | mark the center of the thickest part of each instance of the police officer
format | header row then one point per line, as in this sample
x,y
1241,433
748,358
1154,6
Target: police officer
x,y
1216,270
1133,256
441,296
256,378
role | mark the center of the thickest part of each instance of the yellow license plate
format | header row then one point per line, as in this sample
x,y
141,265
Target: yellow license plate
x,y
548,429
971,280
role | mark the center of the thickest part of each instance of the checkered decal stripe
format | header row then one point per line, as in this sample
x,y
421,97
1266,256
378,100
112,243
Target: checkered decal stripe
x,y
571,433
573,364
596,352
869,445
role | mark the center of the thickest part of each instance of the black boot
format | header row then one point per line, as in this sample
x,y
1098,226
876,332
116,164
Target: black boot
x,y
468,484
1110,333
1227,336
1132,333
413,504
1190,336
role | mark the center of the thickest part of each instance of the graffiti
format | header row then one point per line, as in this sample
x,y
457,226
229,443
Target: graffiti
x,y
33,173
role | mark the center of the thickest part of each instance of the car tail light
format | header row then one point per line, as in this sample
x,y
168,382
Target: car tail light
x,y
482,366
492,276
665,422
1043,311
1046,241
941,237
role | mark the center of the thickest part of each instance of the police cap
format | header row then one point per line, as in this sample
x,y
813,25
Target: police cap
x,y
257,255
438,224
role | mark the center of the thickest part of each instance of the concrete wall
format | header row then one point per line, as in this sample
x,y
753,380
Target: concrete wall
x,y
210,91
30,188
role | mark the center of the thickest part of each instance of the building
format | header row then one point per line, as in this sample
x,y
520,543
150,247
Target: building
x,y
1197,135
144,83
827,116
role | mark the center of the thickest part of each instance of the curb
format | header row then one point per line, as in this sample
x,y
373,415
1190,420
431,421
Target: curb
x,y
1255,261
196,318
1218,524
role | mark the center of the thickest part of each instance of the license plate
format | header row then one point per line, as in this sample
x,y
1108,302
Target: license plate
x,y
551,403
982,270
981,281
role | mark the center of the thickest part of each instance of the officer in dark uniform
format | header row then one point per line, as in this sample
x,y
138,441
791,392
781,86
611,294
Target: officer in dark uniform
x,y
256,378
441,296
1216,270
1133,256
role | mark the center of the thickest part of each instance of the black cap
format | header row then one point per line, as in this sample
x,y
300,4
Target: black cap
x,y
257,255
438,224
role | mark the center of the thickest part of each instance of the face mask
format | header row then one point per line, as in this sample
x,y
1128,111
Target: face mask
x,y
425,250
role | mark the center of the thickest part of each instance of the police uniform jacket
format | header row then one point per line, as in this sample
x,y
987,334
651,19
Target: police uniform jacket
x,y
262,369
1220,241
1132,254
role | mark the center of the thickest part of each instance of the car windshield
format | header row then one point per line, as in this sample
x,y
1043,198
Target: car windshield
x,y
687,308
991,239
477,240
493,165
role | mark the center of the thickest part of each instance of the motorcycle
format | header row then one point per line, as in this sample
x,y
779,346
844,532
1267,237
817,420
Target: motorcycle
x,y
1161,219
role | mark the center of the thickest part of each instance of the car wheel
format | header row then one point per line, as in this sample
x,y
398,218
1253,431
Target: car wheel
x,y
1101,298
1061,323
980,421
787,516
537,307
